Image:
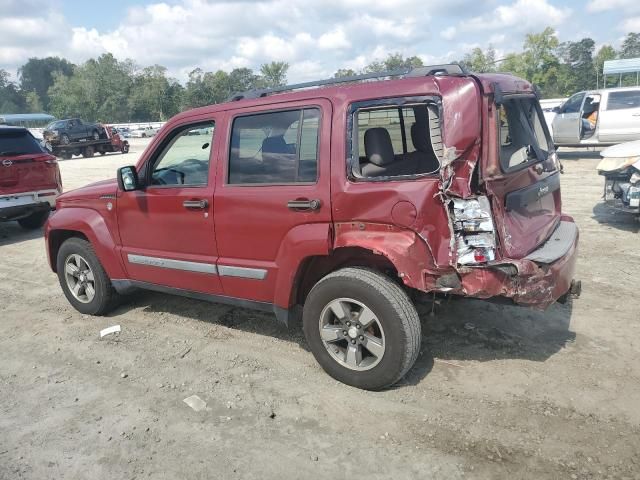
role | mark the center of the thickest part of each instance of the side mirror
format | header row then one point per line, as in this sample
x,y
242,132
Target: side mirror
x,y
556,109
128,179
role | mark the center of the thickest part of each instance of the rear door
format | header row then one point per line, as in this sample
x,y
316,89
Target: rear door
x,y
566,124
620,120
274,178
526,195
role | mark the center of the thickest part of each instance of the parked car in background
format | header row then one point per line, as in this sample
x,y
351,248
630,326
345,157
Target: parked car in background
x,y
143,132
64,132
339,203
598,118
29,178
124,131
620,167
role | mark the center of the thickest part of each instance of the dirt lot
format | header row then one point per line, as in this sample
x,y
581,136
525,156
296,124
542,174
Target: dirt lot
x,y
498,391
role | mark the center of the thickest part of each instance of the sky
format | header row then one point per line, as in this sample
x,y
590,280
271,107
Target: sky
x,y
315,37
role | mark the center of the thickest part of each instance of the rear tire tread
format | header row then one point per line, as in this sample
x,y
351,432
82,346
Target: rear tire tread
x,y
400,302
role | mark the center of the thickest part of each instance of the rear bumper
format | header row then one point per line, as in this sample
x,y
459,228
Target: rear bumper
x,y
20,205
535,281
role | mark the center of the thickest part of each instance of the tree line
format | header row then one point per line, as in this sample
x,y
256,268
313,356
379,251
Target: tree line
x,y
110,90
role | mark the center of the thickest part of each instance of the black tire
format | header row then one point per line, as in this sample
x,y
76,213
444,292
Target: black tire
x,y
394,311
95,135
64,139
34,221
88,152
102,152
125,148
66,156
105,298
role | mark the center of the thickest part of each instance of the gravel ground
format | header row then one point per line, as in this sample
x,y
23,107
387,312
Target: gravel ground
x,y
497,392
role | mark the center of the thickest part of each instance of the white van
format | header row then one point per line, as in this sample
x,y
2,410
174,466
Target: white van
x,y
598,117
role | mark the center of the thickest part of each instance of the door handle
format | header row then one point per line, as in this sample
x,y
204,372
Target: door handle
x,y
201,204
302,205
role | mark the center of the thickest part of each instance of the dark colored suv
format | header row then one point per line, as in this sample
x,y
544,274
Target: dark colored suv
x,y
339,202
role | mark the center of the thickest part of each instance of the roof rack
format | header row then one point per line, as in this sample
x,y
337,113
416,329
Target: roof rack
x,y
452,69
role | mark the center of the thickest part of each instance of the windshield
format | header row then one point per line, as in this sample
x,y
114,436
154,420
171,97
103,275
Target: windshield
x,y
18,142
58,124
523,139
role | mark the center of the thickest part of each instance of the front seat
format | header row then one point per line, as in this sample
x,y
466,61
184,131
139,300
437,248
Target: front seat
x,y
379,152
424,157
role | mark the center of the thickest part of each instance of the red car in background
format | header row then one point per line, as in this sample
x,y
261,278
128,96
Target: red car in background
x,y
30,178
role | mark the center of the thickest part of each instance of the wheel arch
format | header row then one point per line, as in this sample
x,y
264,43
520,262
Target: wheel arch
x,y
89,225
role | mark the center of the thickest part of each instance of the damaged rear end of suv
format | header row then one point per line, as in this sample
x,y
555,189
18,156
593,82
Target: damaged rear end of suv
x,y
342,200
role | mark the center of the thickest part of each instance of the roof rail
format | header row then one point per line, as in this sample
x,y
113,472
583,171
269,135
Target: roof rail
x,y
445,69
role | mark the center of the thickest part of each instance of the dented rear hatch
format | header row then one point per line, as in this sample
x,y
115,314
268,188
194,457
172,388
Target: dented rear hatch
x,y
521,173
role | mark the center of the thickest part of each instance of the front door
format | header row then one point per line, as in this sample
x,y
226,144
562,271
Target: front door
x,y
273,189
567,123
166,229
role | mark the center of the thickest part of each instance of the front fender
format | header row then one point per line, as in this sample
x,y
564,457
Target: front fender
x,y
93,226
404,248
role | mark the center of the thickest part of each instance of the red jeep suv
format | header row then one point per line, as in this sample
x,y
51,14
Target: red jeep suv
x,y
339,203
29,178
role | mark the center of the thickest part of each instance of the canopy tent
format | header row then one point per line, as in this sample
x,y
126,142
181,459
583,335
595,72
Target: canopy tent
x,y
620,67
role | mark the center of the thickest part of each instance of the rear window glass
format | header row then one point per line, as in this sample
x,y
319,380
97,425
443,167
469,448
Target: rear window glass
x,y
18,143
622,100
395,141
275,147
522,135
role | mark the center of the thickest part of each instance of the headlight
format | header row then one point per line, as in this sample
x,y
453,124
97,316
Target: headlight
x,y
474,231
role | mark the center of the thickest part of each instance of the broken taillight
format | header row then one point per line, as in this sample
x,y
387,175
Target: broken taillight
x,y
474,231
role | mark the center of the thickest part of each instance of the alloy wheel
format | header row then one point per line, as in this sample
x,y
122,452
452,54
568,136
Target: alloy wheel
x,y
80,278
352,334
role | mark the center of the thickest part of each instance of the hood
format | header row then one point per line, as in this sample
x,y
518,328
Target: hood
x,y
91,191
627,149
620,157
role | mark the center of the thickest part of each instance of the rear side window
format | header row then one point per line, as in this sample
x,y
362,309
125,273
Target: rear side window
x,y
395,141
622,100
522,135
275,148
18,142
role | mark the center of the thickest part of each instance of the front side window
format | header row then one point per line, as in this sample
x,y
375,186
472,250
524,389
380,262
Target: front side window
x,y
395,141
622,100
573,104
275,148
522,135
184,161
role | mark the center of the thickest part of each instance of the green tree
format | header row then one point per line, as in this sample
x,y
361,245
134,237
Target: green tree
x,y
11,98
345,72
154,97
394,61
34,105
479,61
98,90
606,52
38,73
578,72
274,74
630,46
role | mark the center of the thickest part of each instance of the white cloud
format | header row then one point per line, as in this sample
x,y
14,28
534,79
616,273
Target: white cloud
x,y
334,40
521,16
631,25
448,33
628,6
